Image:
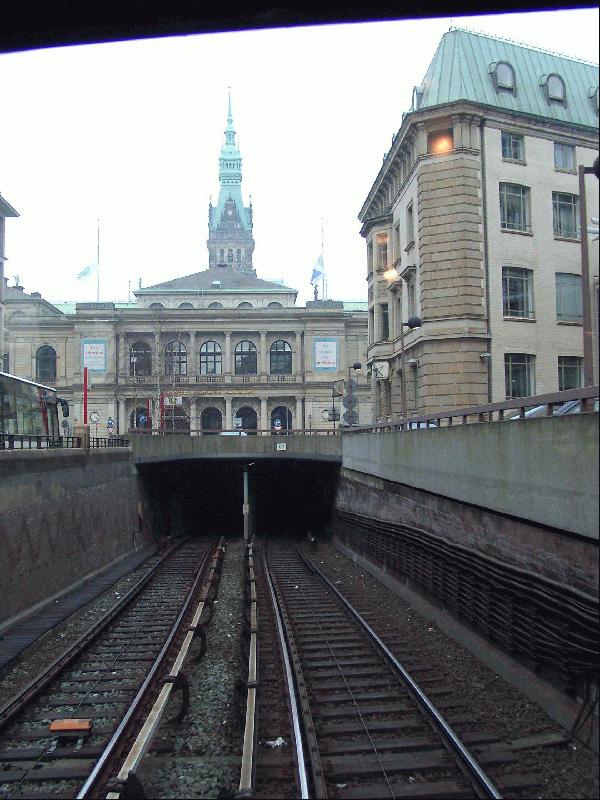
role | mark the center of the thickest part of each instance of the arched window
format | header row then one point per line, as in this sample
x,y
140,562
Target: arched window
x,y
245,358
140,359
175,359
140,418
281,419
248,418
215,305
238,255
245,305
281,358
211,360
230,256
45,364
155,306
185,305
503,76
211,420
275,304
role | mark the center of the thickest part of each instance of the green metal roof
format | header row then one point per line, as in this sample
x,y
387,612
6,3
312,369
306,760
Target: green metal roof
x,y
68,306
355,305
460,70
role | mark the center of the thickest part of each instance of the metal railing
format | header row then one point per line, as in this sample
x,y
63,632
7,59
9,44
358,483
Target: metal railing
x,y
233,432
490,412
21,441
16,441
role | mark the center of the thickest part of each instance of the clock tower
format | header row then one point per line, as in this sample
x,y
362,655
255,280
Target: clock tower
x,y
230,242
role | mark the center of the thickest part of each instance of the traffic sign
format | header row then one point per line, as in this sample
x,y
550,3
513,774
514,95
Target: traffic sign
x,y
95,417
110,422
110,430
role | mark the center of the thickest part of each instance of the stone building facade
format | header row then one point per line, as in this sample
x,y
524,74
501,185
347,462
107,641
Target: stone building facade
x,y
472,226
219,349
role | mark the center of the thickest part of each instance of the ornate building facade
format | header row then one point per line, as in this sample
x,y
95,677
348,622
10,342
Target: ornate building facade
x,y
472,226
219,349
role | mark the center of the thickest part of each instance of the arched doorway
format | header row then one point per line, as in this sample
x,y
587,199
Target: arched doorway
x,y
140,419
248,418
281,419
211,421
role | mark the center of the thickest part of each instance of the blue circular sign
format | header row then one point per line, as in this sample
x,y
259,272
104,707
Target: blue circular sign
x,y
142,419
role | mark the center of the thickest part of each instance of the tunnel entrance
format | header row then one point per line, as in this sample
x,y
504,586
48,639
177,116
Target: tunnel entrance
x,y
286,498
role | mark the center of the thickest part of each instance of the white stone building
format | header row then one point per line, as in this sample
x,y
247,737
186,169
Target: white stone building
x,y
472,225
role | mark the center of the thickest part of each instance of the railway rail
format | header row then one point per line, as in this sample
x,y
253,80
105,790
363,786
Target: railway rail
x,y
353,722
68,733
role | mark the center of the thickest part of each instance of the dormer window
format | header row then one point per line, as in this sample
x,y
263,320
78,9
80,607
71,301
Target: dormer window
x,y
554,88
593,93
503,77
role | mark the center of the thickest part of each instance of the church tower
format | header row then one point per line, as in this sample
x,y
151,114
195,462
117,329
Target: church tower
x,y
230,242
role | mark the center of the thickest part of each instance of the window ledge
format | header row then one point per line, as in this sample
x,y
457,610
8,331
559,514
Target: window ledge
x,y
409,246
514,161
519,319
565,171
566,239
575,322
519,233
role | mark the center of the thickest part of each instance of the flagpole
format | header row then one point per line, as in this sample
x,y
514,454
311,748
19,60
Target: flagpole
x,y
323,290
98,265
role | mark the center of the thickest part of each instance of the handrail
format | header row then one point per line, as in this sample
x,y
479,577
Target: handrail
x,y
248,767
521,404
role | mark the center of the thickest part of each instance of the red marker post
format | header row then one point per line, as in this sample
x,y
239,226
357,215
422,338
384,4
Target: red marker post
x,y
85,391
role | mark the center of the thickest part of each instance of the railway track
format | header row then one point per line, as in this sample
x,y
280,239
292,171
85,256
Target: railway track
x,y
366,728
68,732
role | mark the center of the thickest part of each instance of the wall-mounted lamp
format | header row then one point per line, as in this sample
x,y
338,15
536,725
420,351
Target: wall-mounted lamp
x,y
412,362
483,356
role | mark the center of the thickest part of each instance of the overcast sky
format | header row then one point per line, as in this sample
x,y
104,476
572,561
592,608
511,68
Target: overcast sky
x,y
130,133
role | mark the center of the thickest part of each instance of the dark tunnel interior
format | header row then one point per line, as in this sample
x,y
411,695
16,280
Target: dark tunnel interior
x,y
287,498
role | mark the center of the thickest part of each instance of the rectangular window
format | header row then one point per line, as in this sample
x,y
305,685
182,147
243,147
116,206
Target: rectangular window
x,y
517,292
371,326
513,146
519,374
514,207
370,257
397,241
570,371
382,246
411,299
385,322
564,157
569,301
565,208
410,224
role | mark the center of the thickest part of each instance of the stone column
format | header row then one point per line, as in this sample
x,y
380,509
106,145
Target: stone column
x,y
421,139
228,414
228,366
124,365
122,416
457,130
156,354
263,366
194,422
193,358
264,422
297,360
297,420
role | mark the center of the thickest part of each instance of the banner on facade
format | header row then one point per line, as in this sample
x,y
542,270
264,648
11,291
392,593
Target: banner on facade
x,y
170,400
325,354
93,354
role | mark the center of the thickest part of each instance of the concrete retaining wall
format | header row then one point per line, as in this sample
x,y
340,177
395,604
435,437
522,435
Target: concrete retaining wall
x,y
63,515
542,470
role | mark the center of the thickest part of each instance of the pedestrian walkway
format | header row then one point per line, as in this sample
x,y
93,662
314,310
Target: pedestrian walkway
x,y
24,632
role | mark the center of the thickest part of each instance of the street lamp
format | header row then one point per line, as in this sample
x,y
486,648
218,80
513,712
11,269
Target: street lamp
x,y
334,414
357,366
413,322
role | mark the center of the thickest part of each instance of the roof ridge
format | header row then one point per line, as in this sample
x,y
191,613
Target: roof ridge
x,y
507,40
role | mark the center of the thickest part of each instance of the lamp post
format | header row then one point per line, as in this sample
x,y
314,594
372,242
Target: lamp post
x,y
357,366
413,322
334,414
